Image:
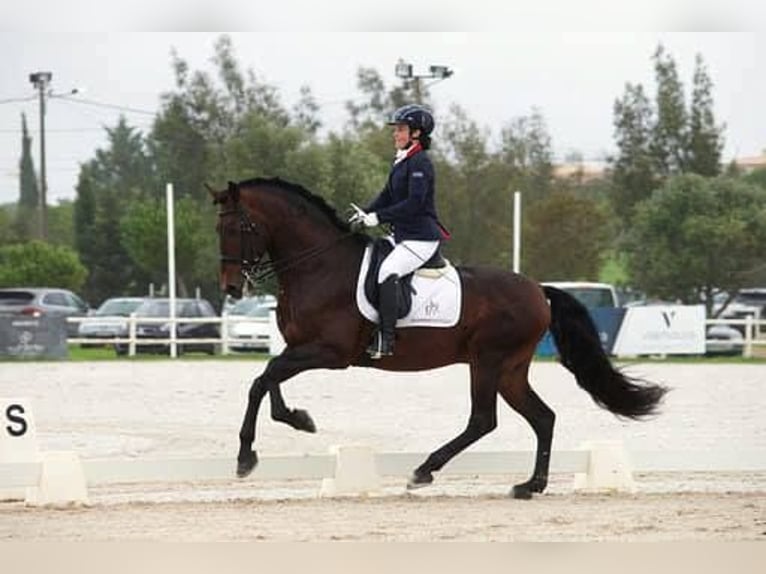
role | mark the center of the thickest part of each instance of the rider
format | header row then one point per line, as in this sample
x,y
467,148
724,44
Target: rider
x,y
407,204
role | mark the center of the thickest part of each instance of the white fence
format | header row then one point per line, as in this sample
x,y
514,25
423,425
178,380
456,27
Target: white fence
x,y
271,339
266,335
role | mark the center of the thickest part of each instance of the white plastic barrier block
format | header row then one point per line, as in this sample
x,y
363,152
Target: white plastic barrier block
x,y
609,469
18,439
355,472
62,481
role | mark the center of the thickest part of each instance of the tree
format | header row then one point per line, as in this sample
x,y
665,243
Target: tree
x,y
696,237
566,237
526,149
37,263
27,213
670,132
119,174
143,232
28,193
633,170
705,137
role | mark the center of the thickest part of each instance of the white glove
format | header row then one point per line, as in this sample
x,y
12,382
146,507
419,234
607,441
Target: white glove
x,y
364,219
370,219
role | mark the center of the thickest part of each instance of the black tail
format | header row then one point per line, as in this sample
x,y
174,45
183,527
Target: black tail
x,y
581,353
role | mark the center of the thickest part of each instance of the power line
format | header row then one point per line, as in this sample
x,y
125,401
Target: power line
x,y
106,105
14,100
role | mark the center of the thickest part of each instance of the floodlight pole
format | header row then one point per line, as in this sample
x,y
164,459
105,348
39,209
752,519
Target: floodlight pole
x,y
41,80
404,70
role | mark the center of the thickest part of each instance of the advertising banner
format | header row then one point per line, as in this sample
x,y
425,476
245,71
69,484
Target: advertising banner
x,y
662,330
24,337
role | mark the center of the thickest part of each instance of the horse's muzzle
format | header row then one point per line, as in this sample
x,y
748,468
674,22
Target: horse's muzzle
x,y
234,291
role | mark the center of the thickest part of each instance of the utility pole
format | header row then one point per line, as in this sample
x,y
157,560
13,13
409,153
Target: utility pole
x,y
404,70
41,80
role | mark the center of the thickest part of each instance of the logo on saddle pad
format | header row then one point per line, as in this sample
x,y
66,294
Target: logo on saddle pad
x,y
427,298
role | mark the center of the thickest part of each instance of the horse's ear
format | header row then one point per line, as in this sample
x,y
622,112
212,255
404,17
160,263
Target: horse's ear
x,y
212,192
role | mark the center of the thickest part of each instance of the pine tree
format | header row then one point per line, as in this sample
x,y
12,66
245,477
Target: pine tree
x,y
26,219
28,192
633,169
669,142
705,137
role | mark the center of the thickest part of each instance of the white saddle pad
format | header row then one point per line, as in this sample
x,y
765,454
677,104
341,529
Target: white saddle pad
x,y
436,302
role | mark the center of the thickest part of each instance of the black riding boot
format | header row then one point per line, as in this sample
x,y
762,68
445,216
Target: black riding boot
x,y
384,343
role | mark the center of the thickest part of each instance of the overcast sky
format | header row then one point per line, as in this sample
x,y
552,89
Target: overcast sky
x,y
573,78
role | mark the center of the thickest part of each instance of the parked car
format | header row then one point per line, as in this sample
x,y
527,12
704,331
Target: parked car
x,y
38,301
109,323
252,334
186,308
723,340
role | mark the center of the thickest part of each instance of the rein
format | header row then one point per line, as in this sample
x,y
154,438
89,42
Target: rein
x,y
255,270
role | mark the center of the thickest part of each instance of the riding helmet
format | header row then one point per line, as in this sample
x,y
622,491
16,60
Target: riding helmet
x,y
414,115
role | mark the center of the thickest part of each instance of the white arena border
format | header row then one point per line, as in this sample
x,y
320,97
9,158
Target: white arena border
x,y
601,466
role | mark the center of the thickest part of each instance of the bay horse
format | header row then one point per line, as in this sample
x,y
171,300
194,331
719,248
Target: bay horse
x,y
270,226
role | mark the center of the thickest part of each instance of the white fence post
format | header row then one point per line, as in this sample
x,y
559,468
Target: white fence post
x,y
225,333
748,350
132,335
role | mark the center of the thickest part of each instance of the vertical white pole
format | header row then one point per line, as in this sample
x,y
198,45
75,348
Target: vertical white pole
x,y
171,268
516,231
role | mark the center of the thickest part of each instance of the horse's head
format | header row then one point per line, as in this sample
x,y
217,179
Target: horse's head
x,y
242,240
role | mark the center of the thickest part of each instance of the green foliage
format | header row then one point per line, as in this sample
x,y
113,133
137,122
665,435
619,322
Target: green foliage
x,y
61,224
119,174
29,195
695,237
566,237
633,167
705,137
7,230
670,132
757,177
664,139
37,264
527,152
143,232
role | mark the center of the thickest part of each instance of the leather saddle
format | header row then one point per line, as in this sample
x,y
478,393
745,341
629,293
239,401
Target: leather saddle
x,y
381,247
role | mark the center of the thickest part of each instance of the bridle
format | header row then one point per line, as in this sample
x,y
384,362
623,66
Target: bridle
x,y
249,259
252,265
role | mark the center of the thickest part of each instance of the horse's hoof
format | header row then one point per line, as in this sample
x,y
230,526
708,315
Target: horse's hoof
x,y
419,480
521,492
302,421
246,464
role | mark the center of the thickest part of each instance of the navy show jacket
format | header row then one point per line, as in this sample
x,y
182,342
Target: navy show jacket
x,y
407,200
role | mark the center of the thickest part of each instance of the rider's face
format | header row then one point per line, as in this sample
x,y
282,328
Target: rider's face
x,y
402,136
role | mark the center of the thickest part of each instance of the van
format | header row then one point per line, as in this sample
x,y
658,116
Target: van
x,y
592,295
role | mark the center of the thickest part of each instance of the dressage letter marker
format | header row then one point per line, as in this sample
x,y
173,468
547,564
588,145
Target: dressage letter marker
x,y
18,439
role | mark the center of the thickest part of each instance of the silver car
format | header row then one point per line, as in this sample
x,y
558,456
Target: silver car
x,y
108,320
38,301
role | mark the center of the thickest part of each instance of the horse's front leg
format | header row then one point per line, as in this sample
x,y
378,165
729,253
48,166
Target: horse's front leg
x,y
289,363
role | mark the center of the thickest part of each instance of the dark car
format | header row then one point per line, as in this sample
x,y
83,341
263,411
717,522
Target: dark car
x,y
38,301
185,308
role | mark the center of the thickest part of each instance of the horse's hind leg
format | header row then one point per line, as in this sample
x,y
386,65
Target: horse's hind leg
x,y
299,419
483,419
515,389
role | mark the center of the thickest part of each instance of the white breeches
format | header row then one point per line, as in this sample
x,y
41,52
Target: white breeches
x,y
406,257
